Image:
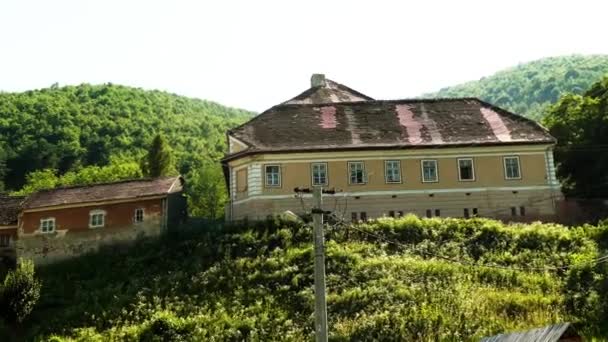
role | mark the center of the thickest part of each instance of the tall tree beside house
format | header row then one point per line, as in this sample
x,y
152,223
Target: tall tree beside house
x,y
580,124
159,161
18,295
206,190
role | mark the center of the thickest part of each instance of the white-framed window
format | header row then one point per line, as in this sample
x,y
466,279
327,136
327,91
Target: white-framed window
x,y
392,171
356,172
512,167
319,173
466,169
139,215
47,225
97,218
272,175
429,171
5,240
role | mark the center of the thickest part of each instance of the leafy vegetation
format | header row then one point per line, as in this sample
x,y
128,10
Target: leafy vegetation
x,y
18,295
118,169
580,124
69,135
254,281
159,160
65,128
529,88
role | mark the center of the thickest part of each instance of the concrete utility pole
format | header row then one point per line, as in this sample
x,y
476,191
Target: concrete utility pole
x,y
320,302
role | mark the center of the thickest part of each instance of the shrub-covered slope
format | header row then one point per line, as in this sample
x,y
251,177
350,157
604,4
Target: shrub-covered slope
x,y
529,88
255,283
69,127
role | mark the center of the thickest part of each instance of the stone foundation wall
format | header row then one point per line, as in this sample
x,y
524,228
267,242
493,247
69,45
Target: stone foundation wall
x,y
64,244
537,204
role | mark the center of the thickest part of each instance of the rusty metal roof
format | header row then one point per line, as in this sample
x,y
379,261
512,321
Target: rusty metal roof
x,y
130,189
10,206
412,123
551,333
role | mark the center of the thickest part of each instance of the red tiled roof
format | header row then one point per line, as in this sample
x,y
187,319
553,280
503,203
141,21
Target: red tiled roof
x,y
10,206
131,189
411,123
329,92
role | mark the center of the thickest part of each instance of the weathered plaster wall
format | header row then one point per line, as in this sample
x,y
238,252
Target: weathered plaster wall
x,y
539,204
77,218
489,172
73,237
63,244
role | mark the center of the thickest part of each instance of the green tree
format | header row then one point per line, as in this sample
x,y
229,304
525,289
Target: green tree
x,y
118,169
3,169
530,88
159,161
68,128
580,124
19,294
39,180
206,190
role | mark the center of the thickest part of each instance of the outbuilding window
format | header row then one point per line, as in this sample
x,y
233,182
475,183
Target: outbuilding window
x,y
97,219
47,225
139,215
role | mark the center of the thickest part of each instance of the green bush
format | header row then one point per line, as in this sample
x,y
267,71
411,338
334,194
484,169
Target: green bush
x,y
254,281
19,293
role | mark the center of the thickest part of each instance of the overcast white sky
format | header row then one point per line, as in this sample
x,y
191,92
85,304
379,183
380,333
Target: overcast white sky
x,y
254,54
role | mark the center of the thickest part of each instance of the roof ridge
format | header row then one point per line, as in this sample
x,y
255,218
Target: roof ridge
x,y
130,180
347,88
413,99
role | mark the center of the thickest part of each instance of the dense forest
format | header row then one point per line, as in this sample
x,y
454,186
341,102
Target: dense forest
x,y
61,130
406,279
529,88
580,124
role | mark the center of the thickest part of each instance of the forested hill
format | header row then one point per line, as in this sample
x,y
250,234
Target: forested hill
x,y
68,127
529,88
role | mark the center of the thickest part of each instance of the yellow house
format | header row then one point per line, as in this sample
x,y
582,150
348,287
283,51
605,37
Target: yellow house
x,y
457,157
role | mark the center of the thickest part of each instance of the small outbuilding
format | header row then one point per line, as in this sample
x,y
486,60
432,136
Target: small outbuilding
x,y
563,332
69,221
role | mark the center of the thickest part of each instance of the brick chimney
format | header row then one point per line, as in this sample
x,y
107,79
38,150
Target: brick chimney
x,y
317,80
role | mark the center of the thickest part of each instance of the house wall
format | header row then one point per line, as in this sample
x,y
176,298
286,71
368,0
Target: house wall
x,y
538,205
73,236
536,190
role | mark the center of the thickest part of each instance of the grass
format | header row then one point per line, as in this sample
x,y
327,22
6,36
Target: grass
x,y
254,282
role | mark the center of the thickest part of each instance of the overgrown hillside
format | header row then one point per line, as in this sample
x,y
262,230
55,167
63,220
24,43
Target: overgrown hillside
x,y
529,88
255,283
65,128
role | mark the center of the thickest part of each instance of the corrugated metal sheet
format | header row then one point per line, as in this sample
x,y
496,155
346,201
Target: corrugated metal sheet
x,y
550,333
